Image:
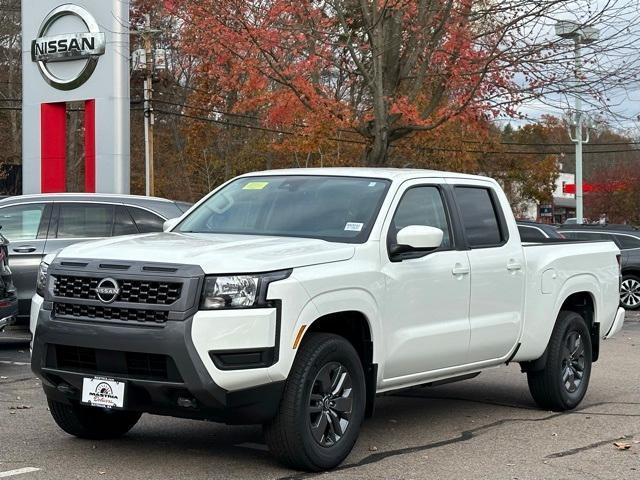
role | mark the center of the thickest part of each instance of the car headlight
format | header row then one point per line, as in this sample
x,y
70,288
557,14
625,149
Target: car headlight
x,y
41,281
238,291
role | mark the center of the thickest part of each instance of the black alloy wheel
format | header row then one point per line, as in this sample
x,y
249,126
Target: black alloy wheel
x,y
573,363
330,404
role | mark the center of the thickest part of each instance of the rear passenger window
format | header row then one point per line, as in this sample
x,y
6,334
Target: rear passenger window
x,y
479,217
146,221
124,223
85,220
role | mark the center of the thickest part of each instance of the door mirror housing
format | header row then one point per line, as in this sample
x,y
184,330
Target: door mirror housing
x,y
417,238
169,224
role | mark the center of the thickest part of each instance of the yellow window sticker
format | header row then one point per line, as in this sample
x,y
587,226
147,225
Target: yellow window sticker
x,y
255,185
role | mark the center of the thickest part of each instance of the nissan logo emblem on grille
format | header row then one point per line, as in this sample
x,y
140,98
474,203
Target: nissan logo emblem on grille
x,y
107,290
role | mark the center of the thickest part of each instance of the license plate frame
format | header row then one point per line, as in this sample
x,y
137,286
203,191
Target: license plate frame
x,y
103,392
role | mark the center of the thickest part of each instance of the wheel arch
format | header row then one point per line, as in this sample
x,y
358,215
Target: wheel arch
x,y
634,270
354,326
584,303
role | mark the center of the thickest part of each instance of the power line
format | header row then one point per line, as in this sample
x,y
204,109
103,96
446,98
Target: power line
x,y
254,127
285,132
553,144
206,109
507,152
253,117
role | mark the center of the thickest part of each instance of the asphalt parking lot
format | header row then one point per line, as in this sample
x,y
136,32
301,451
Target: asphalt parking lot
x,y
485,428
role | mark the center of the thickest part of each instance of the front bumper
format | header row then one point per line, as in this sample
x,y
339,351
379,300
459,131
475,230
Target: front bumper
x,y
66,351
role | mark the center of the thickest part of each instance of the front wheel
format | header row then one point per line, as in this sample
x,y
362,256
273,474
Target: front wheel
x,y
322,407
630,292
92,422
562,383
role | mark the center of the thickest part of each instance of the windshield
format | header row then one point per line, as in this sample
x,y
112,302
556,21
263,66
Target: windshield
x,y
340,209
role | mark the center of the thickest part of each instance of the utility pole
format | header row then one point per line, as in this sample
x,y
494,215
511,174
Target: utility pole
x,y
581,35
147,37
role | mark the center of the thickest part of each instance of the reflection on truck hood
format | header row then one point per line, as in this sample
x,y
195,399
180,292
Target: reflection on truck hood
x,y
215,253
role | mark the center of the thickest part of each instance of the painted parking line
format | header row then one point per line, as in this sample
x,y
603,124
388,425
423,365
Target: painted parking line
x,y
19,471
19,364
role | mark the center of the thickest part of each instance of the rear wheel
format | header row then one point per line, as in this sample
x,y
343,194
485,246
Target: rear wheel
x,y
630,292
563,382
92,422
323,405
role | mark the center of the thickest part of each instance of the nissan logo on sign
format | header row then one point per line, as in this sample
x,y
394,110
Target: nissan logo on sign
x,y
107,290
82,47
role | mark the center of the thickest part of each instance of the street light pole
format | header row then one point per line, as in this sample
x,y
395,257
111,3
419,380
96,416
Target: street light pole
x,y
578,139
580,35
148,108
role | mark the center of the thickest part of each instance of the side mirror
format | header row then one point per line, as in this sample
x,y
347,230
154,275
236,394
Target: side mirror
x,y
169,224
418,238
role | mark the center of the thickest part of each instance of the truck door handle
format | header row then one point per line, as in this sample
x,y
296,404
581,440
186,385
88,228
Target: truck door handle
x,y
24,249
514,266
459,269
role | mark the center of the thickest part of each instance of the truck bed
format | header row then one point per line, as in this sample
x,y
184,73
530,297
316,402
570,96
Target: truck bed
x,y
557,268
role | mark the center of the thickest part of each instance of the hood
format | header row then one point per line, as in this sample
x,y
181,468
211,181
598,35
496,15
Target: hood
x,y
214,253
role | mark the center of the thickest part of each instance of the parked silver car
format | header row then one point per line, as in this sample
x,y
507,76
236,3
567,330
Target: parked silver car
x,y
36,225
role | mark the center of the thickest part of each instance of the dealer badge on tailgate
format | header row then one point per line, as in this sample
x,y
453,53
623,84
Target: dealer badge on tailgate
x,y
103,392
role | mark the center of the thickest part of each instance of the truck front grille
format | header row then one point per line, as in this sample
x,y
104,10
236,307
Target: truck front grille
x,y
109,313
132,291
93,361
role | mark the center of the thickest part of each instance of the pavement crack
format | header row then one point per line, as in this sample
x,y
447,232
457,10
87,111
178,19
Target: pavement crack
x,y
591,446
463,437
605,414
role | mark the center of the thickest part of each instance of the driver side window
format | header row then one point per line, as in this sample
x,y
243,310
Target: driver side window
x,y
421,206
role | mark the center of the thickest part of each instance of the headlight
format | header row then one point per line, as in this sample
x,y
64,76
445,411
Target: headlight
x,y
238,291
43,275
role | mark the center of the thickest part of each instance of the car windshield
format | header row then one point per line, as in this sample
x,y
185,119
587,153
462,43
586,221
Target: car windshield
x,y
339,209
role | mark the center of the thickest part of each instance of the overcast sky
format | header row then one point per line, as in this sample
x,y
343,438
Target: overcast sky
x,y
620,27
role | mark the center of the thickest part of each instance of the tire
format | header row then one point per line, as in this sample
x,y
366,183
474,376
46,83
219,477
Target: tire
x,y
301,436
91,422
562,383
630,292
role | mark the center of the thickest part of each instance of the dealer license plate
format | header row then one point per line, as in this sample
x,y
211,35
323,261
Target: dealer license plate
x,y
103,392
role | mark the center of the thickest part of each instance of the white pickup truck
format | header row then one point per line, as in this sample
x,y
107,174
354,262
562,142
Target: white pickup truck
x,y
291,298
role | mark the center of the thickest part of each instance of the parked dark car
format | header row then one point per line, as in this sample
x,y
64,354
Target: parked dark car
x,y
8,296
537,232
628,240
36,225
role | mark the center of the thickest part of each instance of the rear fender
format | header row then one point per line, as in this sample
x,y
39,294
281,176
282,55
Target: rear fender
x,y
543,316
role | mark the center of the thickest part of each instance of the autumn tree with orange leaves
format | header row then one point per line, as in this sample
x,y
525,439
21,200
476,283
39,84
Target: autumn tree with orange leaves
x,y
379,71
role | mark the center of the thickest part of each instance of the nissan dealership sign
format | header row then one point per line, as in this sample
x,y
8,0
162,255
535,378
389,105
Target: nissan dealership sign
x,y
75,57
86,47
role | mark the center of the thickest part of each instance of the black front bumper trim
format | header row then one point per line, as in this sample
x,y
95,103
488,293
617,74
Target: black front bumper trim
x,y
211,402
